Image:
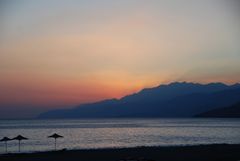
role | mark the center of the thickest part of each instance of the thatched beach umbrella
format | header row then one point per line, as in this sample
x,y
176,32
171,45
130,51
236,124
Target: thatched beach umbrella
x,y
55,136
5,139
19,138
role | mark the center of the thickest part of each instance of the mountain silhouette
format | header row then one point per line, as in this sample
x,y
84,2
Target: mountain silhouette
x,y
178,99
230,112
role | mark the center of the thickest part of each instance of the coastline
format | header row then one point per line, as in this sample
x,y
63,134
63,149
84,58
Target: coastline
x,y
213,152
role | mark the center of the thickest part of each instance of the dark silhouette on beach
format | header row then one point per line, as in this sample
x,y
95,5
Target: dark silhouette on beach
x,y
5,139
55,136
19,138
218,152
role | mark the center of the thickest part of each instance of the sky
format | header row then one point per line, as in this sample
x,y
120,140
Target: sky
x,y
62,53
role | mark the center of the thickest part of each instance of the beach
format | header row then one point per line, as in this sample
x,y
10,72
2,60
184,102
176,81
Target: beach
x,y
214,152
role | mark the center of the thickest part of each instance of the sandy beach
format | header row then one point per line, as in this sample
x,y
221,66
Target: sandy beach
x,y
216,152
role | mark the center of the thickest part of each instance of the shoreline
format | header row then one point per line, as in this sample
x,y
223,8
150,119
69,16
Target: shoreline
x,y
211,152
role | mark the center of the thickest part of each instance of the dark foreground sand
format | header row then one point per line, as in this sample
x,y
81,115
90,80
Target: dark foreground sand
x,y
218,152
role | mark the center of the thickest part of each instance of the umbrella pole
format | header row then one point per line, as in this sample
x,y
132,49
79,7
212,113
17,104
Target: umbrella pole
x,y
55,144
6,146
18,145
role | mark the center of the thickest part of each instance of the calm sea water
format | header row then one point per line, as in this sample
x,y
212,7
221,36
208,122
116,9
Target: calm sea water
x,y
105,133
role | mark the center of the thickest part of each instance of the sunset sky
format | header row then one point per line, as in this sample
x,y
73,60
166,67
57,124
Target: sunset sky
x,y
61,53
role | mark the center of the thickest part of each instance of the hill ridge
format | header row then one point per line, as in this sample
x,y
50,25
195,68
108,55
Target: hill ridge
x,y
176,99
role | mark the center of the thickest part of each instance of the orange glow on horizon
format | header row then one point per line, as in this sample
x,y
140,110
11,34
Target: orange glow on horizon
x,y
30,89
62,54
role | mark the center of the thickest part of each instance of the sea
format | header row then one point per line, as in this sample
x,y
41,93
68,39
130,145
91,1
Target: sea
x,y
117,133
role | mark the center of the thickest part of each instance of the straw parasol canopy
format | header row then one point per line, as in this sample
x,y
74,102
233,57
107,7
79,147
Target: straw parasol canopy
x,y
19,138
5,139
55,136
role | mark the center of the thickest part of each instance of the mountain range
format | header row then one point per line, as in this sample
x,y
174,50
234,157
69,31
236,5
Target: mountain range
x,y
229,112
178,99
